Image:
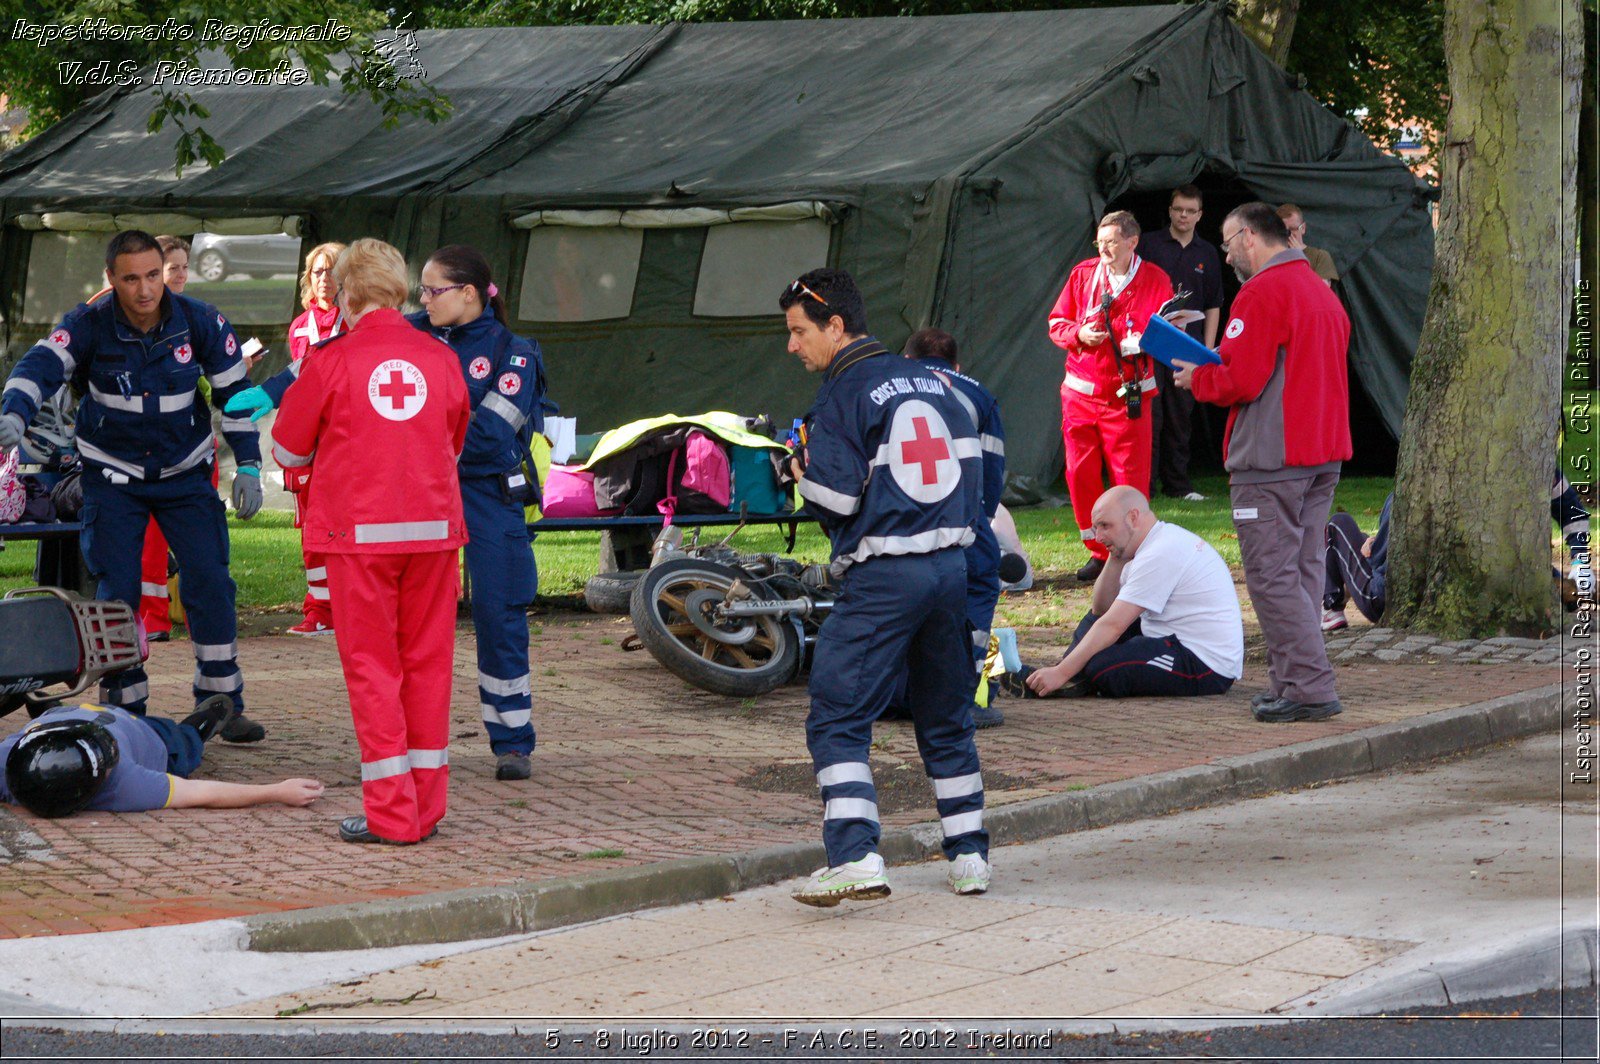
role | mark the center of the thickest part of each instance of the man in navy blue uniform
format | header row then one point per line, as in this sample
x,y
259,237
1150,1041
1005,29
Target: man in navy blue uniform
x,y
891,468
136,355
936,349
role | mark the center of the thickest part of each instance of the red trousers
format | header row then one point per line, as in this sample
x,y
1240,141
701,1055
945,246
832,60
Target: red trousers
x,y
153,596
1100,437
395,623
318,605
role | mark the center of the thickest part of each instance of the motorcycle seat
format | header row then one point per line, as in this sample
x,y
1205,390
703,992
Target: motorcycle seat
x,y
40,642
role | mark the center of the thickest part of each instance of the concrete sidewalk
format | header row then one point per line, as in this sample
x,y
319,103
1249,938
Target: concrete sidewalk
x,y
636,769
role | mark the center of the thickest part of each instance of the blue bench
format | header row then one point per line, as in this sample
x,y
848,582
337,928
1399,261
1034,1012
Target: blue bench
x,y
59,563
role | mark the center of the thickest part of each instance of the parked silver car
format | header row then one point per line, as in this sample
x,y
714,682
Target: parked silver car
x,y
216,258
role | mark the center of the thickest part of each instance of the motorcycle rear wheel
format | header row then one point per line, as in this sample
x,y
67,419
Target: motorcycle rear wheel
x,y
671,611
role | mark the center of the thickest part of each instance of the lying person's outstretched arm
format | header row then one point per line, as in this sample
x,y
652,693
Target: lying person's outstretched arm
x,y
215,794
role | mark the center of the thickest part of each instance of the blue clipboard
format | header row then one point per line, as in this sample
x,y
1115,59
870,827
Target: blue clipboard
x,y
1164,342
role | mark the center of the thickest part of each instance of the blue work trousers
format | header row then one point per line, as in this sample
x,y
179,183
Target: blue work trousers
x,y
191,516
183,743
896,614
504,580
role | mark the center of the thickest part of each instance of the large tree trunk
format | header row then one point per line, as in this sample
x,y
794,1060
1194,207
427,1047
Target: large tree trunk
x,y
1471,536
1270,24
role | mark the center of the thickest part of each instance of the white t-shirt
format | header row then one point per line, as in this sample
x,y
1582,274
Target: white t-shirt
x,y
1186,591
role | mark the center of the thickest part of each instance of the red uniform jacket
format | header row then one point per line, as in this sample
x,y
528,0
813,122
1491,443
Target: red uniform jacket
x,y
1283,372
384,411
1094,370
312,327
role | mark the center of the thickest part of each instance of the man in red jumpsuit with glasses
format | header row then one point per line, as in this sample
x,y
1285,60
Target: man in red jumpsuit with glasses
x,y
1105,422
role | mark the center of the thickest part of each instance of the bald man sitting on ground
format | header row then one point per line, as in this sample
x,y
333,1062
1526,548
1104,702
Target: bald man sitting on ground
x,y
1164,620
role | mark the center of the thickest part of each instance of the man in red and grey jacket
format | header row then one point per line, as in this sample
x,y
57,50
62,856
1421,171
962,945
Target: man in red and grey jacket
x,y
1283,372
1097,320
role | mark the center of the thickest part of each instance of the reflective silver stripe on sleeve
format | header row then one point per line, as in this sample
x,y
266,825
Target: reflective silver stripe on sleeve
x,y
961,823
850,809
216,651
958,786
1078,384
133,405
320,594
403,532
518,685
237,424
837,501
297,365
382,769
171,404
1148,384
26,387
428,758
287,458
134,692
966,404
845,772
921,543
506,718
235,372
195,457
1057,321
231,682
993,444
498,404
150,590
95,454
318,573
68,363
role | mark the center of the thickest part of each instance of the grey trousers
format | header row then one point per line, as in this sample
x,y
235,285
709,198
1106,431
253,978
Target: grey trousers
x,y
1281,535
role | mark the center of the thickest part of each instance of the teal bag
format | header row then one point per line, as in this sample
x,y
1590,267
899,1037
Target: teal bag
x,y
755,482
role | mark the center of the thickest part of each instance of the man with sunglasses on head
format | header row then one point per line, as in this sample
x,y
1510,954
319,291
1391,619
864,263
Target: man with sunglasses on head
x,y
1097,320
891,467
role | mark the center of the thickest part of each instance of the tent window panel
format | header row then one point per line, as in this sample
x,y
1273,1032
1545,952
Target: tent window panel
x,y
252,280
746,265
579,274
64,269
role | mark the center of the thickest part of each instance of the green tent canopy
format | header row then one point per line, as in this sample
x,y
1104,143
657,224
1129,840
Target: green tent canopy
x,y
643,193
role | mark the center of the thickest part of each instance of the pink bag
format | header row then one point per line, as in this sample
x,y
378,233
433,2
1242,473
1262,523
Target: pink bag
x,y
705,470
13,496
569,492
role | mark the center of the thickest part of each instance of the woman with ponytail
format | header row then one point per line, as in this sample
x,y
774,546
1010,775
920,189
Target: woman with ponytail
x,y
505,381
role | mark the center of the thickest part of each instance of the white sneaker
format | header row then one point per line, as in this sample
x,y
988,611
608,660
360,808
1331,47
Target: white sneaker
x,y
859,880
1194,496
1333,620
969,874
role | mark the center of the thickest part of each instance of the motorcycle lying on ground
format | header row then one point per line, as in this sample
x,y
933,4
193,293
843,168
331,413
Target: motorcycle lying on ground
x,y
54,638
730,623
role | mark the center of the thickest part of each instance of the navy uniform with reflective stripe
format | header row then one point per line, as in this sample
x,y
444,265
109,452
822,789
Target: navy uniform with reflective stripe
x,y
505,380
145,438
983,556
893,474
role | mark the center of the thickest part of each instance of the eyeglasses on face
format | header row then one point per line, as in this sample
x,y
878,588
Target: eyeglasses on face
x,y
1230,239
1184,211
427,291
799,289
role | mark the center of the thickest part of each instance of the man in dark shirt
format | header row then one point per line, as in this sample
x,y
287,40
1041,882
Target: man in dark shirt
x,y
1194,265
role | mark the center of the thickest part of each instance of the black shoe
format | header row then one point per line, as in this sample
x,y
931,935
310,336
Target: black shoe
x,y
1015,684
158,637
1091,570
1284,711
209,717
512,766
1257,701
241,729
354,829
987,717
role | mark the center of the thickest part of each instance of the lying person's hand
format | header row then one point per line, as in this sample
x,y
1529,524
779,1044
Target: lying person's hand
x,y
1366,548
1045,681
299,791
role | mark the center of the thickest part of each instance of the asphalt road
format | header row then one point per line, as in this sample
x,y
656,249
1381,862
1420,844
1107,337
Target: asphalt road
x,y
1547,1026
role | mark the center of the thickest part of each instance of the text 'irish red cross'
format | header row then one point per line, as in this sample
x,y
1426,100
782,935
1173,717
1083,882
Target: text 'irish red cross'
x,y
924,449
397,391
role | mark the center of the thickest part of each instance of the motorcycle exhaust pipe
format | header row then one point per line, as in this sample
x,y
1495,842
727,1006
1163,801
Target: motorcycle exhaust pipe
x,y
772,608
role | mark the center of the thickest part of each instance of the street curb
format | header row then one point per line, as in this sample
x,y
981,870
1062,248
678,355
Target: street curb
x,y
519,908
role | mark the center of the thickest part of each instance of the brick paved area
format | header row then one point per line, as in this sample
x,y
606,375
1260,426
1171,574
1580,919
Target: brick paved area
x,y
633,766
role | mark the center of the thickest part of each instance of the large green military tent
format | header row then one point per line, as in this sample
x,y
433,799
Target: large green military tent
x,y
644,192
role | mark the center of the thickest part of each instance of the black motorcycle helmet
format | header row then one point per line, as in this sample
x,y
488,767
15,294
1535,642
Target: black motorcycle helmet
x,y
57,768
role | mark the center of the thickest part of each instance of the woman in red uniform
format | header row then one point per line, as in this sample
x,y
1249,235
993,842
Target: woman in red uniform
x,y
320,321
383,409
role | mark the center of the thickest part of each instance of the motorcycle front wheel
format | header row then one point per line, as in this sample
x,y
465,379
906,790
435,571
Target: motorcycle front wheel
x,y
672,612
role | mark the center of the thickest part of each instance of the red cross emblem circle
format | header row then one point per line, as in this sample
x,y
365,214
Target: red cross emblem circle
x,y
921,454
397,390
61,338
183,353
479,368
509,384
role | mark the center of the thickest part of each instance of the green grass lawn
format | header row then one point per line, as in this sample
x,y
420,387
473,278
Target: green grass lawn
x,y
267,567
